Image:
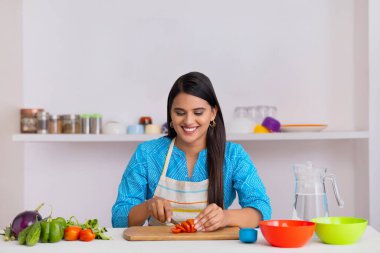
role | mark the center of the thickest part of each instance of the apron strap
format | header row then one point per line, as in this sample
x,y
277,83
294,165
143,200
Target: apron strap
x,y
168,158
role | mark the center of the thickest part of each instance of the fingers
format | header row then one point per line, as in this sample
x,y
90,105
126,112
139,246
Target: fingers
x,y
153,209
210,219
168,211
213,224
160,209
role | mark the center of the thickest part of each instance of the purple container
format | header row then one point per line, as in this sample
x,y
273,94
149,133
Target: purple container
x,y
271,124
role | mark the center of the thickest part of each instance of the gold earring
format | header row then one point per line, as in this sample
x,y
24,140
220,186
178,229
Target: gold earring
x,y
171,124
213,123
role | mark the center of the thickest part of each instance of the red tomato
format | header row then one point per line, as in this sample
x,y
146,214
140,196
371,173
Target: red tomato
x,y
186,226
176,230
72,233
180,228
86,235
192,226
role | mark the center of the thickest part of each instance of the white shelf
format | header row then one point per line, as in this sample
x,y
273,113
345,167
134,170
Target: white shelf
x,y
231,137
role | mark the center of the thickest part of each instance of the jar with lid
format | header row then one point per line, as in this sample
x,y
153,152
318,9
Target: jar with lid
x,y
55,124
241,123
95,123
145,120
28,120
85,123
43,122
71,124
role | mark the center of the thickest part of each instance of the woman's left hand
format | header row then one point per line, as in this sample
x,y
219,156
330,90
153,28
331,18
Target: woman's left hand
x,y
210,219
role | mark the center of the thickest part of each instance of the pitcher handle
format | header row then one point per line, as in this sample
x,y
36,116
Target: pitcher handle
x,y
339,199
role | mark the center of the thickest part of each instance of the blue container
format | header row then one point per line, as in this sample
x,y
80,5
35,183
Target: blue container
x,y
136,129
248,235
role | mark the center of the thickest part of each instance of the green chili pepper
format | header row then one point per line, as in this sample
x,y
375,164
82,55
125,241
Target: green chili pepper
x,y
22,235
45,231
34,234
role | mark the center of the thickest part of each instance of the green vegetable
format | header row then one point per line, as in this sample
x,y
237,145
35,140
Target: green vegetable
x,y
94,226
22,235
8,235
56,231
45,231
62,221
52,230
34,234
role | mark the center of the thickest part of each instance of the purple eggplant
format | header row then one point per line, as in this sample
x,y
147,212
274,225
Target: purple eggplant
x,y
25,219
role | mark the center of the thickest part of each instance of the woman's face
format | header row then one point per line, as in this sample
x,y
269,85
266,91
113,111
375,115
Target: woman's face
x,y
191,118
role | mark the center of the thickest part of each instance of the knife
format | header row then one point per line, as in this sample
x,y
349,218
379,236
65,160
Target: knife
x,y
174,221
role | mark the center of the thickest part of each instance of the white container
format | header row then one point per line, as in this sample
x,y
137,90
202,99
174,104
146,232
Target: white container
x,y
241,125
113,127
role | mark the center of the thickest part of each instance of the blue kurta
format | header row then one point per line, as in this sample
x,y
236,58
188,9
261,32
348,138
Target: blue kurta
x,y
143,172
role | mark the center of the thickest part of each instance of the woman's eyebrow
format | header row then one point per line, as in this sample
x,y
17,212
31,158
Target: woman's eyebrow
x,y
194,109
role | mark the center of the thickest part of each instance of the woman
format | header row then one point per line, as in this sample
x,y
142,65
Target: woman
x,y
192,172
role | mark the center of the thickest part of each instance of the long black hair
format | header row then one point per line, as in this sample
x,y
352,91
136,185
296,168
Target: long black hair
x,y
199,85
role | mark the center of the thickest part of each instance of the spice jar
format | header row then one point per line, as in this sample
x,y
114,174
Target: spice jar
x,y
55,124
71,124
145,120
28,120
95,124
85,123
43,122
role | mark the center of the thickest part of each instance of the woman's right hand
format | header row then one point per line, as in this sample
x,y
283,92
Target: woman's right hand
x,y
160,209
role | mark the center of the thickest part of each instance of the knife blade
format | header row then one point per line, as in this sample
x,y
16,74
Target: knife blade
x,y
174,221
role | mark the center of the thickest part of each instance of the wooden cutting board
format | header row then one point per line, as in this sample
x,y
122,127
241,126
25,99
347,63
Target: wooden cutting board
x,y
163,233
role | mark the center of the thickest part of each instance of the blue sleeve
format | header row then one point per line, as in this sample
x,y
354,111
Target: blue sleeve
x,y
249,186
132,189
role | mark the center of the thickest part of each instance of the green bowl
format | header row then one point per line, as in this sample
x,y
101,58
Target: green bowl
x,y
339,230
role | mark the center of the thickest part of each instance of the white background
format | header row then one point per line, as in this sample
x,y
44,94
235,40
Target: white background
x,y
120,58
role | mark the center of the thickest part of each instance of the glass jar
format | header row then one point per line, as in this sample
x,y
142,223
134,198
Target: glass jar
x,y
241,122
71,124
43,122
55,124
28,120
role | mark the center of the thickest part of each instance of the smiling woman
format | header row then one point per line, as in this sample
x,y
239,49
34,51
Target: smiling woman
x,y
192,173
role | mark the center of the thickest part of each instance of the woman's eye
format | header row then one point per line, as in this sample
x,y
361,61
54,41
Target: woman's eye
x,y
180,113
198,113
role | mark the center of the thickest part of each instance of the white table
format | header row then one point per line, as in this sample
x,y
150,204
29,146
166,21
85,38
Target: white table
x,y
370,242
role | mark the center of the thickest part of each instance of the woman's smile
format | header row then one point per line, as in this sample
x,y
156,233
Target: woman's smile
x,y
190,130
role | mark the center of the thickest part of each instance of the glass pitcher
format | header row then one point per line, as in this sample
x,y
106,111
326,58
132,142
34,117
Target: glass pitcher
x,y
310,192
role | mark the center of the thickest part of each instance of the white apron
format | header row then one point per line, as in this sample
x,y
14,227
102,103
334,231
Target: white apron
x,y
187,199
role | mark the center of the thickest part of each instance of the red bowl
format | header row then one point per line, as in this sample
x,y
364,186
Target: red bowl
x,y
287,233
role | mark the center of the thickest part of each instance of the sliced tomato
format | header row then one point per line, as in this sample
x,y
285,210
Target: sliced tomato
x,y
176,230
180,227
186,226
192,226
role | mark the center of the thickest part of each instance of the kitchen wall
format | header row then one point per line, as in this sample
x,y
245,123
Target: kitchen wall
x,y
110,57
120,58
11,154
